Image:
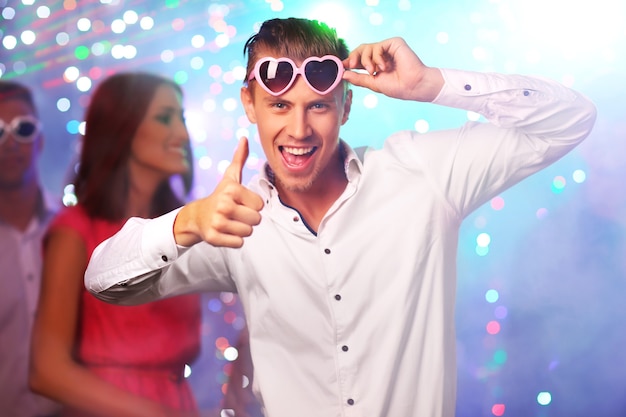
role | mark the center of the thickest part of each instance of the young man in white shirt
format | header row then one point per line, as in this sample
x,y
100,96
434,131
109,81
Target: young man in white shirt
x,y
345,263
25,211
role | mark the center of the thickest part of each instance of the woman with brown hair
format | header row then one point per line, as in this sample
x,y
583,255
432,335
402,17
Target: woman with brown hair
x,y
95,358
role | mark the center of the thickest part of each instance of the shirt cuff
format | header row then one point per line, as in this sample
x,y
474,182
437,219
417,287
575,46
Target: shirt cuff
x,y
158,246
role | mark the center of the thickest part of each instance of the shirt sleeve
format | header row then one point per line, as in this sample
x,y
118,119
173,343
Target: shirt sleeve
x,y
532,122
137,264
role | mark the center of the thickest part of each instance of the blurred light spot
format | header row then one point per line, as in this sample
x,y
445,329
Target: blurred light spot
x,y
483,239
230,104
62,38
500,312
480,222
542,213
227,298
370,101
167,56
19,67
558,184
205,162
482,250
579,176
130,51
209,105
222,40
198,41
241,132
215,71
239,72
497,203
214,305
443,37
404,5
492,296
28,37
493,327
544,398
231,353
421,126
476,18
178,24
146,23
72,127
553,365
221,343
229,317
63,104
98,26
117,51
83,84
95,73
479,53
187,371
500,356
81,52
473,116
98,49
276,5
8,13
71,4
130,17
181,77
83,24
376,19
9,42
118,26
498,409
228,77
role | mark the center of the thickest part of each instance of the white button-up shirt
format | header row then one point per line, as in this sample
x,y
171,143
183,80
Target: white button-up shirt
x,y
358,319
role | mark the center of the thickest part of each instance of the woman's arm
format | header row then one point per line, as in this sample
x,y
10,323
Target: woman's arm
x,y
54,372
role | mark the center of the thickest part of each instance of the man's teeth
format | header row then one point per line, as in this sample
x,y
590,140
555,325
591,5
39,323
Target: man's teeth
x,y
297,151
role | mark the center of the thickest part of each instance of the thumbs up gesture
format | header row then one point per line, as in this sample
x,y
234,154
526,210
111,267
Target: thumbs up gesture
x,y
226,216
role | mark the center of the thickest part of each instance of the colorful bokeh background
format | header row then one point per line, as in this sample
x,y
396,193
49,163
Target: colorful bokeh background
x,y
542,268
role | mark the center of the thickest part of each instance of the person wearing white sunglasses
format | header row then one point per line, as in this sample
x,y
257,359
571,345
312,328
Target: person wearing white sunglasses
x,y
344,258
25,212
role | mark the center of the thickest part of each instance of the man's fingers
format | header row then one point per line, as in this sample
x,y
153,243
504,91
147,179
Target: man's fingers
x,y
235,168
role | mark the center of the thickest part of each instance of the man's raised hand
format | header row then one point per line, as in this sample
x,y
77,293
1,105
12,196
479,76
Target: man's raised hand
x,y
226,216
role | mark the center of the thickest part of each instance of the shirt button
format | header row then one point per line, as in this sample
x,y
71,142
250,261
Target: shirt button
x,y
526,92
296,218
164,258
350,401
467,87
344,348
326,251
337,297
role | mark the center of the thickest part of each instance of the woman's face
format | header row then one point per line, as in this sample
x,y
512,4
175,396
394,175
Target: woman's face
x,y
159,148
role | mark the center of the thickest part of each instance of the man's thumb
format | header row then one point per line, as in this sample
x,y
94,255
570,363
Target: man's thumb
x,y
239,160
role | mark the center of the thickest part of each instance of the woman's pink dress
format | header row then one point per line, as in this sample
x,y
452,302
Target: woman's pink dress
x,y
142,349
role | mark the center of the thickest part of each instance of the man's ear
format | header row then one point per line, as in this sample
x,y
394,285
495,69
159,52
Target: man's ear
x,y
347,106
248,103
